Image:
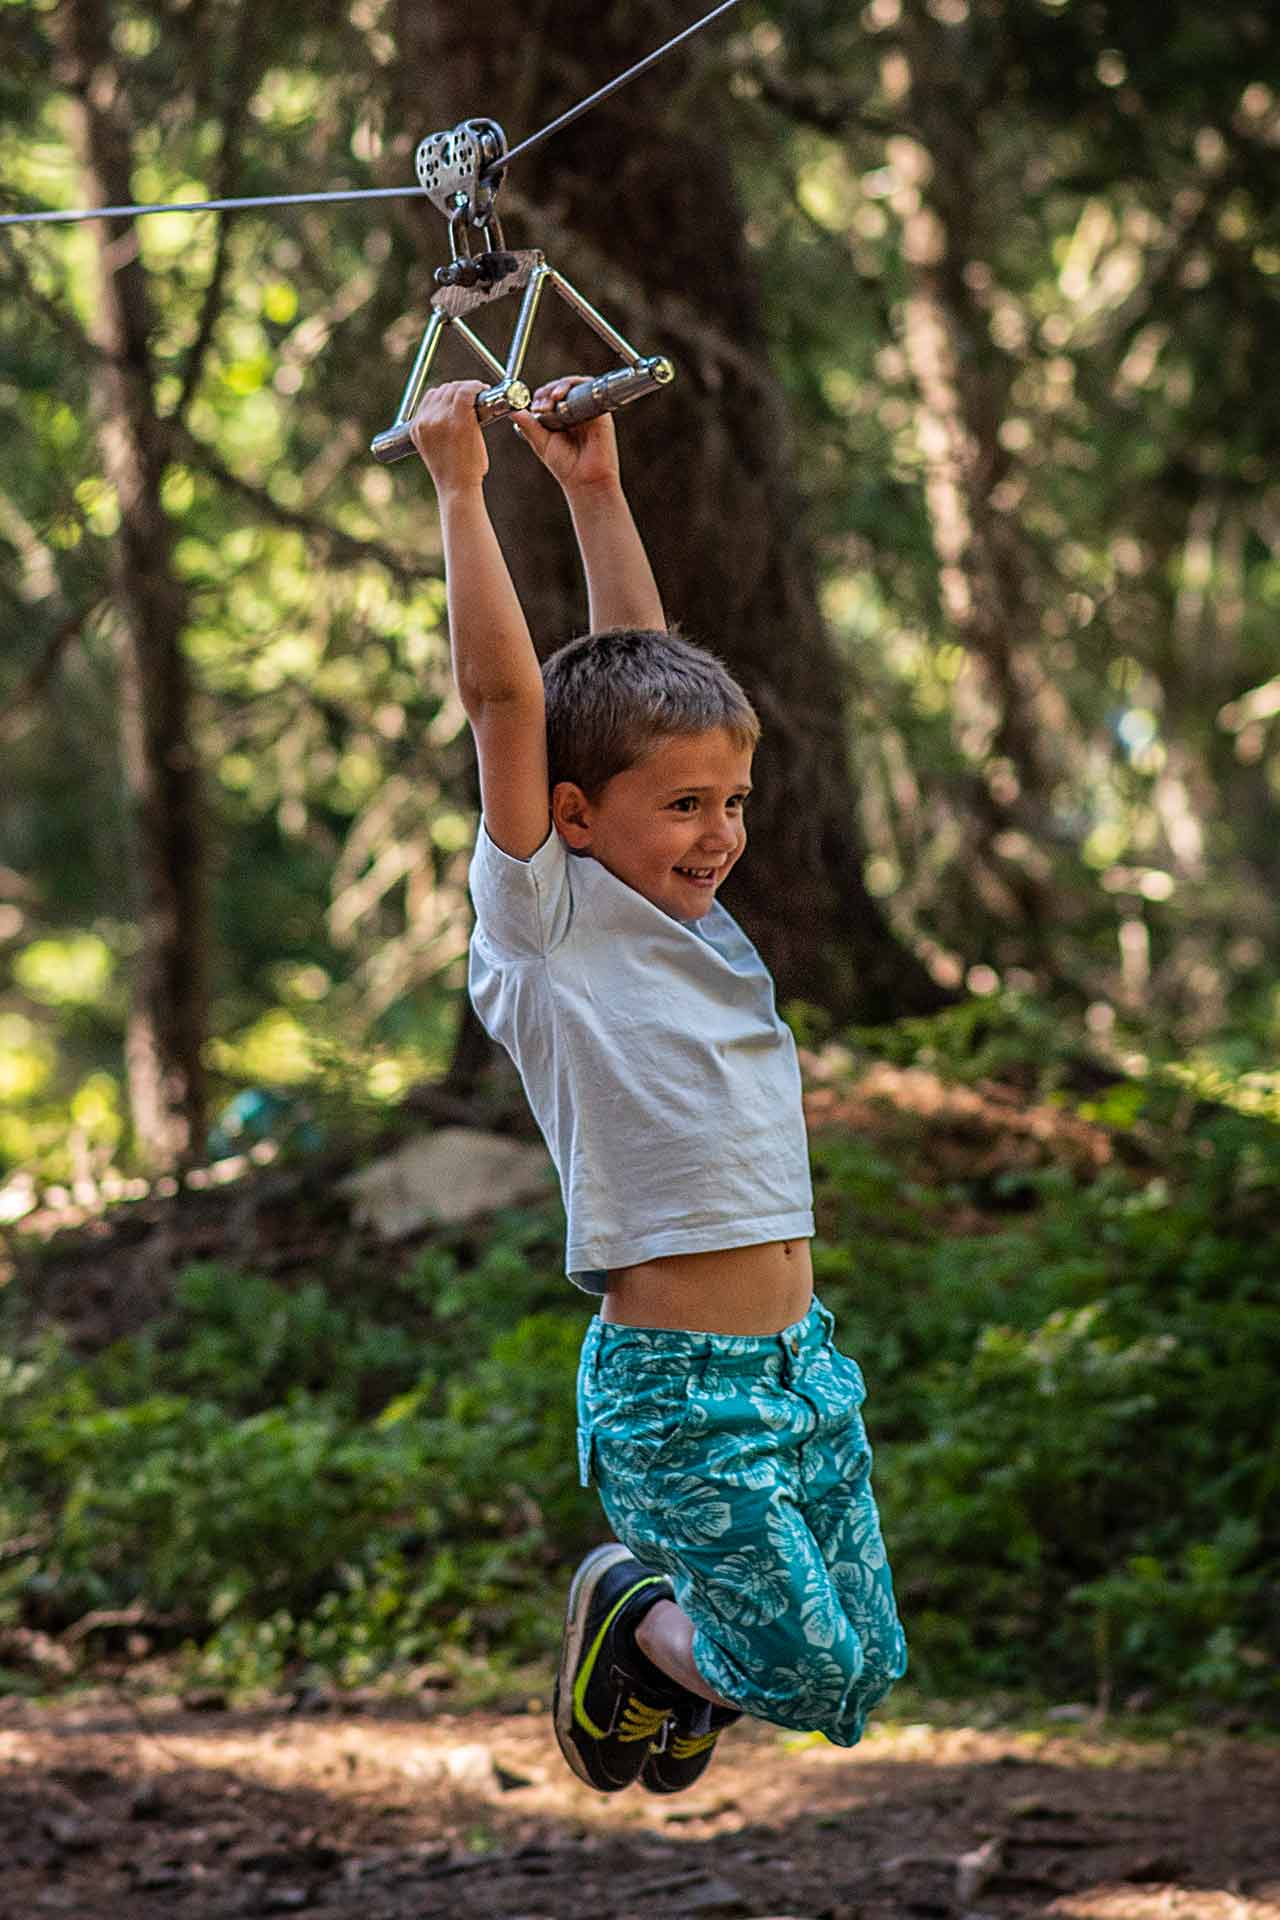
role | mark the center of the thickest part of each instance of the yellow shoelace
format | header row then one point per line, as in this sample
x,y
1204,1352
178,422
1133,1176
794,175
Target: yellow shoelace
x,y
684,1748
640,1721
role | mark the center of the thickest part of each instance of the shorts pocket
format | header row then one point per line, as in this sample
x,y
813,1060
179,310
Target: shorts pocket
x,y
833,1383
586,1455
637,1423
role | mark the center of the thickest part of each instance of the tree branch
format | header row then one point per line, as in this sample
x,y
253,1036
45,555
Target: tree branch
x,y
234,105
56,312
14,722
210,304
837,118
346,546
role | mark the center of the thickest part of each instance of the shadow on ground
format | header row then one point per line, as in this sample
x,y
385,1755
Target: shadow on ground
x,y
113,1813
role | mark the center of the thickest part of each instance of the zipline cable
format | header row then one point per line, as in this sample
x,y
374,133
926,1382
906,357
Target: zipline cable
x,y
602,93
362,193
207,206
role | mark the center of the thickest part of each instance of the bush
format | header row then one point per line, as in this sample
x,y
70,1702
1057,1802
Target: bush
x,y
247,1492
1078,1459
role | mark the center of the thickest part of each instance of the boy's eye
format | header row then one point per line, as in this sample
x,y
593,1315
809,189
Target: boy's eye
x,y
688,801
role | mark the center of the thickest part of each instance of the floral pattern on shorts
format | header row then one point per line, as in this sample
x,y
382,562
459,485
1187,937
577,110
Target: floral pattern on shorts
x,y
739,1466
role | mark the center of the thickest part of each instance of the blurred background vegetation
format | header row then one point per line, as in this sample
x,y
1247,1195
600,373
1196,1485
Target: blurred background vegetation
x,y
975,309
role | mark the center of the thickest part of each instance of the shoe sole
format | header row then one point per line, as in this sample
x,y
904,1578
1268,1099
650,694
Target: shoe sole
x,y
652,1782
581,1594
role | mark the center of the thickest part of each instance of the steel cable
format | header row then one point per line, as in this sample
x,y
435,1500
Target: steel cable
x,y
363,193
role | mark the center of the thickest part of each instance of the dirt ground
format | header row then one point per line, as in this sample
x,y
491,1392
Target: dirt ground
x,y
355,1808
349,1807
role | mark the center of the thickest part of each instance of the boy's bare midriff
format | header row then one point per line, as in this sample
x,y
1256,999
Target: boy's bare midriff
x,y
752,1290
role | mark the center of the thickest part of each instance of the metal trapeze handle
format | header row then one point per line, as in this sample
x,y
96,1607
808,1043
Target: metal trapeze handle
x,y
590,398
496,275
586,401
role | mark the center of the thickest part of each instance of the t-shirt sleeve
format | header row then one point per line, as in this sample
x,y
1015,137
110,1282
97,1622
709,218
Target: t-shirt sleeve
x,y
522,907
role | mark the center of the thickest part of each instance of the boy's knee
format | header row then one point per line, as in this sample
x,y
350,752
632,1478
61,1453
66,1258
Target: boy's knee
x,y
842,1717
798,1684
809,1689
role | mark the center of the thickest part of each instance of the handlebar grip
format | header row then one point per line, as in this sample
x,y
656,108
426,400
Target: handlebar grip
x,y
590,398
495,403
587,401
394,443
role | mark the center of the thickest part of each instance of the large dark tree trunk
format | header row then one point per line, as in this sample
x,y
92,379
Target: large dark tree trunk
x,y
167,1022
636,204
987,574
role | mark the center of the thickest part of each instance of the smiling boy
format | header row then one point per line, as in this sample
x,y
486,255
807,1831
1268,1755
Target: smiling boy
x,y
716,1417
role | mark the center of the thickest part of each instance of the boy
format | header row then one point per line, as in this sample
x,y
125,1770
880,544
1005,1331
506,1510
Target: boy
x,y
716,1417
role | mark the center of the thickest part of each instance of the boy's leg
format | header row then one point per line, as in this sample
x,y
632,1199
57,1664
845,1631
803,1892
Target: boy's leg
x,y
666,1636
649,1669
702,1501
841,1512
610,1702
770,1436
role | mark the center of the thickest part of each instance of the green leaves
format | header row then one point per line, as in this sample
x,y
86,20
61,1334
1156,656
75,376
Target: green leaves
x,y
289,1477
1076,1453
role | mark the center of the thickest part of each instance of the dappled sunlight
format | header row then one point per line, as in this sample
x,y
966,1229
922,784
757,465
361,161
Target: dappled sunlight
x,y
1167,1903
968,473
423,1811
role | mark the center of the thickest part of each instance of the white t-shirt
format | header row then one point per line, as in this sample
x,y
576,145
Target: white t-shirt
x,y
653,1058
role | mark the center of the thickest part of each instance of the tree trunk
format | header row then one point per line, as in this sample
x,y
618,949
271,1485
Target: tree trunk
x,y
635,203
987,576
168,1015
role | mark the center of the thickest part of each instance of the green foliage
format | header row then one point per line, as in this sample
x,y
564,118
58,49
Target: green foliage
x,y
287,1478
1079,1460
248,1342
1012,1037
1077,1457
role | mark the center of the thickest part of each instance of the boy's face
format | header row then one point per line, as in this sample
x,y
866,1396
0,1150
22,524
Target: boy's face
x,y
672,826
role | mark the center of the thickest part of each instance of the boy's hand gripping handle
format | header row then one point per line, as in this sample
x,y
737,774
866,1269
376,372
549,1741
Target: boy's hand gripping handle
x,y
590,398
495,403
586,401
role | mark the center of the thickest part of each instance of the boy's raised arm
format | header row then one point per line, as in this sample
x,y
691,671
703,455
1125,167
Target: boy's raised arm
x,y
494,664
621,589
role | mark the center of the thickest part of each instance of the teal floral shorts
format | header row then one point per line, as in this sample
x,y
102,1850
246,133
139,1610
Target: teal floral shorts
x,y
739,1467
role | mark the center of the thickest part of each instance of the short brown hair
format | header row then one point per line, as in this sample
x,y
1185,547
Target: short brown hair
x,y
612,696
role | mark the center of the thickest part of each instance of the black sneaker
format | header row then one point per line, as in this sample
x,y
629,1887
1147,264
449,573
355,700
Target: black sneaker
x,y
606,1712
685,1755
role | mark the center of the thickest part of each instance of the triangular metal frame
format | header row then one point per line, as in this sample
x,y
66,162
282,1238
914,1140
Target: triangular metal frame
x,y
498,275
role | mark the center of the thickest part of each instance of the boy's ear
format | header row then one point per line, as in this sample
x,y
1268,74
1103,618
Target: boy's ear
x,y
571,811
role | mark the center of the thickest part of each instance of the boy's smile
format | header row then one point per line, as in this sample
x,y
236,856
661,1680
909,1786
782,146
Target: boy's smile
x,y
672,826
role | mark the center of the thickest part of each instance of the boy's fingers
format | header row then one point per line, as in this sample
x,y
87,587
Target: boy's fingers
x,y
462,395
554,391
450,391
445,421
530,429
443,402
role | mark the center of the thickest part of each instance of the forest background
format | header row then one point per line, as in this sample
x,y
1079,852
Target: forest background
x,y
968,473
